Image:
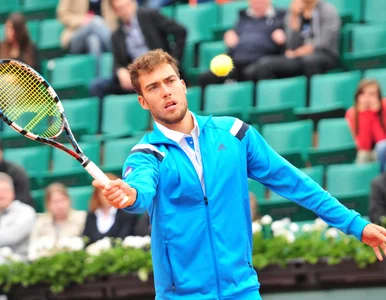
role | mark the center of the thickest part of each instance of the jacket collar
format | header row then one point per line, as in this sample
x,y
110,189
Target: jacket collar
x,y
157,137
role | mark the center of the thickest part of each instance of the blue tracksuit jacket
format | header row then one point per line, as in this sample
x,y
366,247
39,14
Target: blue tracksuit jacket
x,y
202,241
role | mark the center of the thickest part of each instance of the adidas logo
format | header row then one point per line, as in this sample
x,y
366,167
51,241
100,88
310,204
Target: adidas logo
x,y
221,147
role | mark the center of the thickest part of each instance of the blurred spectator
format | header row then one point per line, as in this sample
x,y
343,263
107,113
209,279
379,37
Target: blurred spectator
x,y
19,178
17,43
104,220
16,218
378,199
140,30
258,32
88,26
60,220
367,119
312,31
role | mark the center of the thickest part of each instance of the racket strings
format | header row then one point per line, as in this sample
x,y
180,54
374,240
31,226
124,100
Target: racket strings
x,y
27,102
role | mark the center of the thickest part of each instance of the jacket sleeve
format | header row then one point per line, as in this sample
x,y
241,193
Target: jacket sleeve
x,y
141,171
272,170
377,199
120,59
171,27
329,30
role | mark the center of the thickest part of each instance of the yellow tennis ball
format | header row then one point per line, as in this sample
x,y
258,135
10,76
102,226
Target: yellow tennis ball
x,y
221,65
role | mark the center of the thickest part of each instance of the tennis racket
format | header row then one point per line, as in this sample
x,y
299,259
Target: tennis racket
x,y
31,107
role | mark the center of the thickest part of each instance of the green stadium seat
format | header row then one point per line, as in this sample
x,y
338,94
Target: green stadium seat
x,y
122,117
291,140
12,139
39,9
7,7
349,10
229,99
368,49
198,20
277,98
70,75
350,184
336,144
331,93
80,197
49,45
75,111
38,198
374,10
379,75
228,16
32,159
168,11
206,51
194,98
107,62
257,188
115,154
67,170
34,30
284,4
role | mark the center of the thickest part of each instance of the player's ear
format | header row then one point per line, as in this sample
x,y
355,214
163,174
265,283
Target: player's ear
x,y
184,86
143,102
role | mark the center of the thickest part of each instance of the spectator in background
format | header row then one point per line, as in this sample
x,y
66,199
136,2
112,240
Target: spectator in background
x,y
367,119
17,43
60,220
378,200
19,178
16,218
103,220
258,32
140,30
312,31
88,26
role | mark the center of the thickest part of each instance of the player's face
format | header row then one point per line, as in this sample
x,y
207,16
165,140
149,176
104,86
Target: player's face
x,y
164,94
7,195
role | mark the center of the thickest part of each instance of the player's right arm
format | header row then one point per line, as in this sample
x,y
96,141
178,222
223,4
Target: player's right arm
x,y
139,180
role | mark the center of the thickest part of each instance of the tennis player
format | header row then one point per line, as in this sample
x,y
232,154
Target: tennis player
x,y
190,173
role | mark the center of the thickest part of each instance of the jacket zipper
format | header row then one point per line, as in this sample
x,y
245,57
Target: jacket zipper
x,y
171,268
212,246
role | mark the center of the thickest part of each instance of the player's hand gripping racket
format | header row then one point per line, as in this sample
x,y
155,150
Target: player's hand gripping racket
x,y
30,106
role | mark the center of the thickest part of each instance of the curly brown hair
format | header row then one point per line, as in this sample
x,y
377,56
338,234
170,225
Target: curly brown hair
x,y
147,63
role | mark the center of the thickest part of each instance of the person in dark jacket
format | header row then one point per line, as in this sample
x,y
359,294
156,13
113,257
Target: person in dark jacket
x,y
103,220
258,32
378,199
140,30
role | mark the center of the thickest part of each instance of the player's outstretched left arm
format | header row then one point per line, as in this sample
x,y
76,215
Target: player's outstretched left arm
x,y
375,236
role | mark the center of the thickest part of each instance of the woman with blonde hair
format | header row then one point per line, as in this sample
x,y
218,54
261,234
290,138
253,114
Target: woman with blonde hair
x,y
104,220
367,119
60,220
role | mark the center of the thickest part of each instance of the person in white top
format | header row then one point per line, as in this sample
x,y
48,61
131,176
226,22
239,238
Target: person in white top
x,y
16,218
60,220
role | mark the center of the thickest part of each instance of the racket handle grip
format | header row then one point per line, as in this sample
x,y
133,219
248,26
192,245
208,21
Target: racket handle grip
x,y
98,175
